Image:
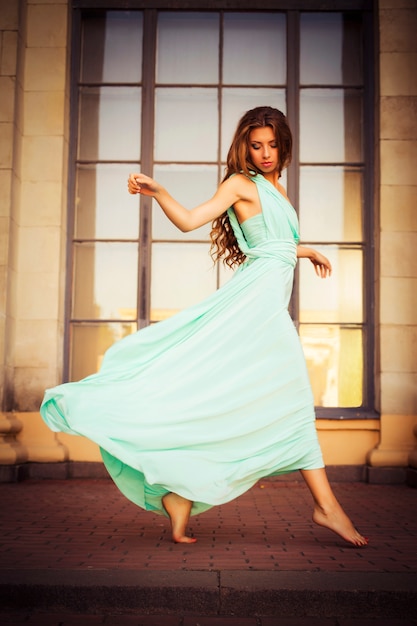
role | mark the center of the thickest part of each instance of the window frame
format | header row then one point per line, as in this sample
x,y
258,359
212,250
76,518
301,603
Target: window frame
x,y
292,9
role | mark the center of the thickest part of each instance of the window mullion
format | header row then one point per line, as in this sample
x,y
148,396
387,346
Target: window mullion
x,y
293,116
147,158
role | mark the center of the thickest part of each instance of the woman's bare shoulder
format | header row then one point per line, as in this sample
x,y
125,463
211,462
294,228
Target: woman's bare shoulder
x,y
242,185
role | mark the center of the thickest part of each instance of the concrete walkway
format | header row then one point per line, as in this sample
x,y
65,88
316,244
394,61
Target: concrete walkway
x,y
77,552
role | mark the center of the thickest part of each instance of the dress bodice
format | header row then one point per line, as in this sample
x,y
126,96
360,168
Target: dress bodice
x,y
254,230
273,233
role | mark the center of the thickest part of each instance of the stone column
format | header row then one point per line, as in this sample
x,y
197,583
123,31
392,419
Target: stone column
x,y
398,233
37,131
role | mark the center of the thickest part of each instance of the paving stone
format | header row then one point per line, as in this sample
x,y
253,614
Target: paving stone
x,y
85,526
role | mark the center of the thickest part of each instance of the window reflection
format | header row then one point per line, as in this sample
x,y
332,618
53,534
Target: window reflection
x,y
105,276
182,274
191,185
112,48
103,211
330,49
330,126
337,299
90,341
185,124
334,356
109,123
178,34
331,204
254,49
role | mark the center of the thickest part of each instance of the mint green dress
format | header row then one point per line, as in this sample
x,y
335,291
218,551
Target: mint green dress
x,y
209,401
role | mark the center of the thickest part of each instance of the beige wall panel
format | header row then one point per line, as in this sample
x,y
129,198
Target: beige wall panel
x,y
4,240
29,385
398,208
30,335
39,249
11,302
37,297
398,254
47,25
397,441
80,448
45,69
41,204
398,29
399,393
7,90
398,159
42,158
14,248
6,145
398,349
5,192
398,75
347,447
398,117
8,58
39,442
9,14
51,122
18,118
398,301
3,301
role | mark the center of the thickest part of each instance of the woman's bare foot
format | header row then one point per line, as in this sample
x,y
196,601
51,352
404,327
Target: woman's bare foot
x,y
327,510
178,509
335,519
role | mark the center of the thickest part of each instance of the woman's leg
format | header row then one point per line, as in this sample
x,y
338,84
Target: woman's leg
x,y
178,509
327,510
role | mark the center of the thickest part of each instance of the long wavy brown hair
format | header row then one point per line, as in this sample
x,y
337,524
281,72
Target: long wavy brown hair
x,y
223,241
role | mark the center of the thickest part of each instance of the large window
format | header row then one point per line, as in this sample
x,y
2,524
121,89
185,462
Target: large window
x,y
162,90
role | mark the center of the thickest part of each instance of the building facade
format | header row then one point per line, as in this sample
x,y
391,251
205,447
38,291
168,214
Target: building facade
x,y
91,90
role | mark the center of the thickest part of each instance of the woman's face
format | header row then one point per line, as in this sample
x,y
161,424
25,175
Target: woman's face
x,y
263,150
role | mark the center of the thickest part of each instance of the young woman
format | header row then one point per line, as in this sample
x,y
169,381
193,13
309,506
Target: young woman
x,y
193,411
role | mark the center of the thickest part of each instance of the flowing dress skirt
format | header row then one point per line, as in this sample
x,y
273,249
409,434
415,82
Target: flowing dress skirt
x,y
207,402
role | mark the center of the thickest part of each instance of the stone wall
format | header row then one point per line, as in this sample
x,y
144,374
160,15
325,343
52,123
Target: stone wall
x,y
397,283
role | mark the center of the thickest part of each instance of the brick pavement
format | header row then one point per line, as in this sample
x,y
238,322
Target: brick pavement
x,y
77,531
58,619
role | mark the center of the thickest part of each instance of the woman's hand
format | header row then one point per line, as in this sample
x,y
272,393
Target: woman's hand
x,y
322,265
139,183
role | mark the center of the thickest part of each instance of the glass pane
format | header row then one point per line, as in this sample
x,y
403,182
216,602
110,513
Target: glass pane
x,y
330,49
112,48
330,126
188,48
89,342
254,49
330,204
337,299
334,358
186,124
235,103
105,280
110,123
182,274
191,185
104,209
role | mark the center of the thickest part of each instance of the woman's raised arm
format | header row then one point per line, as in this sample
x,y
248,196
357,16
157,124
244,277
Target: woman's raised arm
x,y
226,196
